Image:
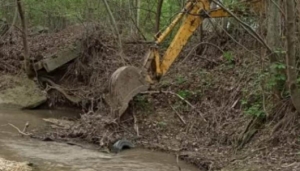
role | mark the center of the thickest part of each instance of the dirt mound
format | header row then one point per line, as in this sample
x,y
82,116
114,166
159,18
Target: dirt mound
x,y
41,46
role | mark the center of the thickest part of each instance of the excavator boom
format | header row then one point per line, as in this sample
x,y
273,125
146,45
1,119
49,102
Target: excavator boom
x,y
129,81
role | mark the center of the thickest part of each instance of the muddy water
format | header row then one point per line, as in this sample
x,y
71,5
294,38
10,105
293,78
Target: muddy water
x,y
48,156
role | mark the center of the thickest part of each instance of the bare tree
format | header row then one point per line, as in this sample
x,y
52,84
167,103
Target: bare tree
x,y
25,42
158,15
290,58
115,27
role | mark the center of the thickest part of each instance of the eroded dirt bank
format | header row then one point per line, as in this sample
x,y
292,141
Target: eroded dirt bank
x,y
207,131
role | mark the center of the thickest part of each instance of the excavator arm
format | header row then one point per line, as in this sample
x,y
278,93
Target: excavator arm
x,y
128,81
191,20
193,15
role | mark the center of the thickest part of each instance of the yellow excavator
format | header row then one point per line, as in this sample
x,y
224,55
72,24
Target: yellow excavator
x,y
128,81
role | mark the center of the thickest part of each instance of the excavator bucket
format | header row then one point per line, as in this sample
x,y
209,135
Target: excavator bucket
x,y
125,83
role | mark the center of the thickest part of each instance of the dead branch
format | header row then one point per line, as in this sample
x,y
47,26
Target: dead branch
x,y
177,162
232,38
181,98
235,103
177,113
138,29
245,25
21,132
57,87
12,23
25,127
114,25
136,127
203,43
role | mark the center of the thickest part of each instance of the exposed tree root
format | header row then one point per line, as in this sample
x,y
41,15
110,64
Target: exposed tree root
x,y
72,99
252,128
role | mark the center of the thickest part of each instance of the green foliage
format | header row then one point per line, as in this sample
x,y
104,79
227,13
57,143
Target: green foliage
x,y
278,66
228,56
165,83
275,77
56,14
162,124
185,93
148,14
252,103
255,109
180,80
142,103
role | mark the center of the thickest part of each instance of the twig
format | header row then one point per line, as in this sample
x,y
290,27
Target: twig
x,y
138,29
139,42
235,103
72,99
12,24
187,102
253,33
21,132
277,6
177,162
136,127
194,48
115,28
101,142
25,127
177,113
181,98
231,37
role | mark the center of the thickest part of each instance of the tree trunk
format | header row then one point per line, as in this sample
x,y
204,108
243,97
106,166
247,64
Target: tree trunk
x,y
273,40
158,15
133,30
115,28
27,66
138,11
273,27
290,58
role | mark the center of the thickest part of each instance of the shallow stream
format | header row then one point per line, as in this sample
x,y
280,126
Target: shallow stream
x,y
50,156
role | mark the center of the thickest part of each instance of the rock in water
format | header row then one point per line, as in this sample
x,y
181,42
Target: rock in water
x,y
20,92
